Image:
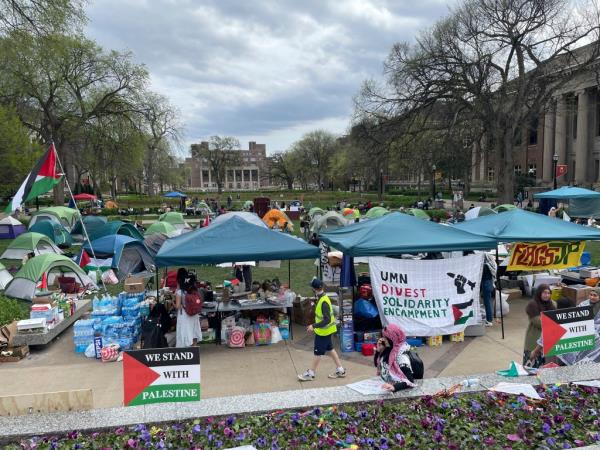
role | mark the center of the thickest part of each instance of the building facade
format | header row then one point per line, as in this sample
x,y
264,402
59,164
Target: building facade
x,y
252,174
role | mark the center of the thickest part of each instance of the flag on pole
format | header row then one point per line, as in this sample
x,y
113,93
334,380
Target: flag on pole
x,y
84,259
40,180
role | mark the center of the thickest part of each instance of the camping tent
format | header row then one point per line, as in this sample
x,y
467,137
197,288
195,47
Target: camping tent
x,y
505,207
351,213
66,216
27,243
247,216
327,222
114,227
418,213
55,231
568,193
316,211
276,217
175,194
175,219
204,208
111,205
5,277
232,240
479,211
376,212
524,226
397,233
91,223
154,242
162,228
129,255
248,205
25,281
10,228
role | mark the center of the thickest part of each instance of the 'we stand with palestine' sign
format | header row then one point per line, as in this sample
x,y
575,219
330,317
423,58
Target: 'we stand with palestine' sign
x,y
161,375
568,330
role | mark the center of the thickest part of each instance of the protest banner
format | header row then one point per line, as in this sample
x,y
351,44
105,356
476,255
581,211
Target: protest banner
x,y
568,330
427,297
545,255
161,375
329,274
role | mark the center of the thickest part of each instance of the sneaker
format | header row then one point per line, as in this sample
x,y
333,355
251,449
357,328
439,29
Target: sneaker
x,y
338,374
488,324
309,375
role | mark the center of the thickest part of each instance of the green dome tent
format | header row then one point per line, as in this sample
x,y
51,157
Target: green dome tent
x,y
248,204
479,211
25,281
66,216
174,218
504,208
315,212
162,227
418,213
327,222
30,242
375,212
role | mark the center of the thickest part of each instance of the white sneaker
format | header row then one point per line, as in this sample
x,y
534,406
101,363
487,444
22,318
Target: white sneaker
x,y
338,374
488,324
309,375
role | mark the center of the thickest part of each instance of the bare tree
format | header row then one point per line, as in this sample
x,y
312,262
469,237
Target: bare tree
x,y
317,147
221,153
41,16
285,167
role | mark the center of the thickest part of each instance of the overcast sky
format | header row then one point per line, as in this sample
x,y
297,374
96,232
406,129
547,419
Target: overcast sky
x,y
265,71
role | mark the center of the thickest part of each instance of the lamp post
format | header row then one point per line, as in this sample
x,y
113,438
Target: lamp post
x,y
554,163
381,183
433,179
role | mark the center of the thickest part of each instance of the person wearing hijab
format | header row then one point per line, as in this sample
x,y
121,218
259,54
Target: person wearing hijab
x,y
540,302
392,361
552,212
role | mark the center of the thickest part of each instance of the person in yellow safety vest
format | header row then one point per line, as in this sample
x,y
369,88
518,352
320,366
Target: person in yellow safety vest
x,y
324,327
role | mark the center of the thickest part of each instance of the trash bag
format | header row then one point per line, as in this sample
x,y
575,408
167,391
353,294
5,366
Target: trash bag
x,y
504,303
152,335
366,309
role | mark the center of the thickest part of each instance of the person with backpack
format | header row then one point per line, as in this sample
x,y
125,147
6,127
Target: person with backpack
x,y
188,304
393,360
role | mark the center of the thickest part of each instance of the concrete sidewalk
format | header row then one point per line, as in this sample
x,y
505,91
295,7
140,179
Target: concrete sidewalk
x,y
227,372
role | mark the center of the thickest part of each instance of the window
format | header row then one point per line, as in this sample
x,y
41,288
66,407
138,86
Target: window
x,y
246,175
533,131
205,175
518,169
254,175
532,170
230,175
490,174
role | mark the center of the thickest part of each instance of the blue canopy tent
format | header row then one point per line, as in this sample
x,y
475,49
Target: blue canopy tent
x,y
129,255
174,194
568,193
524,226
582,202
397,233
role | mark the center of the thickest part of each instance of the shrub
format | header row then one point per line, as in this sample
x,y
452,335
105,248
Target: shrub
x,y
11,309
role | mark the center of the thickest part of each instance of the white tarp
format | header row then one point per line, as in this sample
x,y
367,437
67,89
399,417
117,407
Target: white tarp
x,y
428,297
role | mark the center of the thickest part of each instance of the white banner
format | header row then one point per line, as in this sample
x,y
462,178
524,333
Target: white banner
x,y
428,297
330,274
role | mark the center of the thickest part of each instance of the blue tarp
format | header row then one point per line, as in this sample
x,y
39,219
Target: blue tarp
x,y
567,193
584,207
524,226
397,233
174,194
230,241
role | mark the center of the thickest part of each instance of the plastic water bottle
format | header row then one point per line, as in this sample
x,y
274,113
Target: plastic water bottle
x,y
470,382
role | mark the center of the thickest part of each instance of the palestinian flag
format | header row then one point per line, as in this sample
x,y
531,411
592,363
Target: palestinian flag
x,y
40,180
459,311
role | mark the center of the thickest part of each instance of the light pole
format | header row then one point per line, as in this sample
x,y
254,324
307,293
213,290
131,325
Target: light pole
x,y
433,178
554,163
381,183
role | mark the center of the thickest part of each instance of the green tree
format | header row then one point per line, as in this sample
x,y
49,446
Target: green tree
x,y
317,149
221,153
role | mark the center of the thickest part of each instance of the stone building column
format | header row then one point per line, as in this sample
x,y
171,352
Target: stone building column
x,y
549,122
581,144
560,130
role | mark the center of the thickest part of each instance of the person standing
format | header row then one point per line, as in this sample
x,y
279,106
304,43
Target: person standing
x,y
324,328
542,301
487,287
188,327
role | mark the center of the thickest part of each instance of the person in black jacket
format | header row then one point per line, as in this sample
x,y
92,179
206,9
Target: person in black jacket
x,y
392,360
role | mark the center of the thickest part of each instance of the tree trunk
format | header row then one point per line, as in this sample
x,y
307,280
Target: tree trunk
x,y
290,184
504,153
113,187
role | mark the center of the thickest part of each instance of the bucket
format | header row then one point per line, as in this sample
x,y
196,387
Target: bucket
x,y
368,349
586,259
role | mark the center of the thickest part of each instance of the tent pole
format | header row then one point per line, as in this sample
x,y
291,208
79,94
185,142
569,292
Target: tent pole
x,y
499,291
87,237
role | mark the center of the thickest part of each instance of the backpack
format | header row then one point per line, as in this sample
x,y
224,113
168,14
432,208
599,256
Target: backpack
x,y
416,364
192,302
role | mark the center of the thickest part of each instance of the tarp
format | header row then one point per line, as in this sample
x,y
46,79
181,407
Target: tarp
x,y
524,226
24,284
67,216
55,231
129,256
247,216
174,194
584,207
568,192
30,242
276,217
162,228
232,240
10,228
376,212
397,233
327,222
479,211
114,227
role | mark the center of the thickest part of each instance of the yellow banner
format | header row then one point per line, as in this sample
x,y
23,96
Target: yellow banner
x,y
545,255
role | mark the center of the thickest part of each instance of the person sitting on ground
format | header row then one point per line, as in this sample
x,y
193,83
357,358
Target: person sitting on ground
x,y
392,360
542,301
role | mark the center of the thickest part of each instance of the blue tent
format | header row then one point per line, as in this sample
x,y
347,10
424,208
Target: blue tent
x,y
90,222
55,231
397,233
174,194
230,241
129,256
567,193
96,230
524,226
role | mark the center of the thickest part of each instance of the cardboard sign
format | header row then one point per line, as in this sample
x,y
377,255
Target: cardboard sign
x,y
568,330
545,255
161,376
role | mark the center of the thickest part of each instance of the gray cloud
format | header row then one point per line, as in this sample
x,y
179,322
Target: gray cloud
x,y
260,69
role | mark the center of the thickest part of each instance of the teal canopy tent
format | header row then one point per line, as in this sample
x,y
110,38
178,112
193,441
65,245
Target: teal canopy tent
x,y
397,233
568,193
524,226
232,240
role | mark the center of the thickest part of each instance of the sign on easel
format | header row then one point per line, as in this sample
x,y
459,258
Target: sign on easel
x,y
568,330
161,376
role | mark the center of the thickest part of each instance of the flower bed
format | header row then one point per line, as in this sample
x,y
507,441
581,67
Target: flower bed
x,y
567,417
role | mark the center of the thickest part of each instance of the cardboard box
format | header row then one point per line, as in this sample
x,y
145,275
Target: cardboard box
x,y
434,341
513,293
303,311
589,272
134,285
457,337
18,353
576,292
